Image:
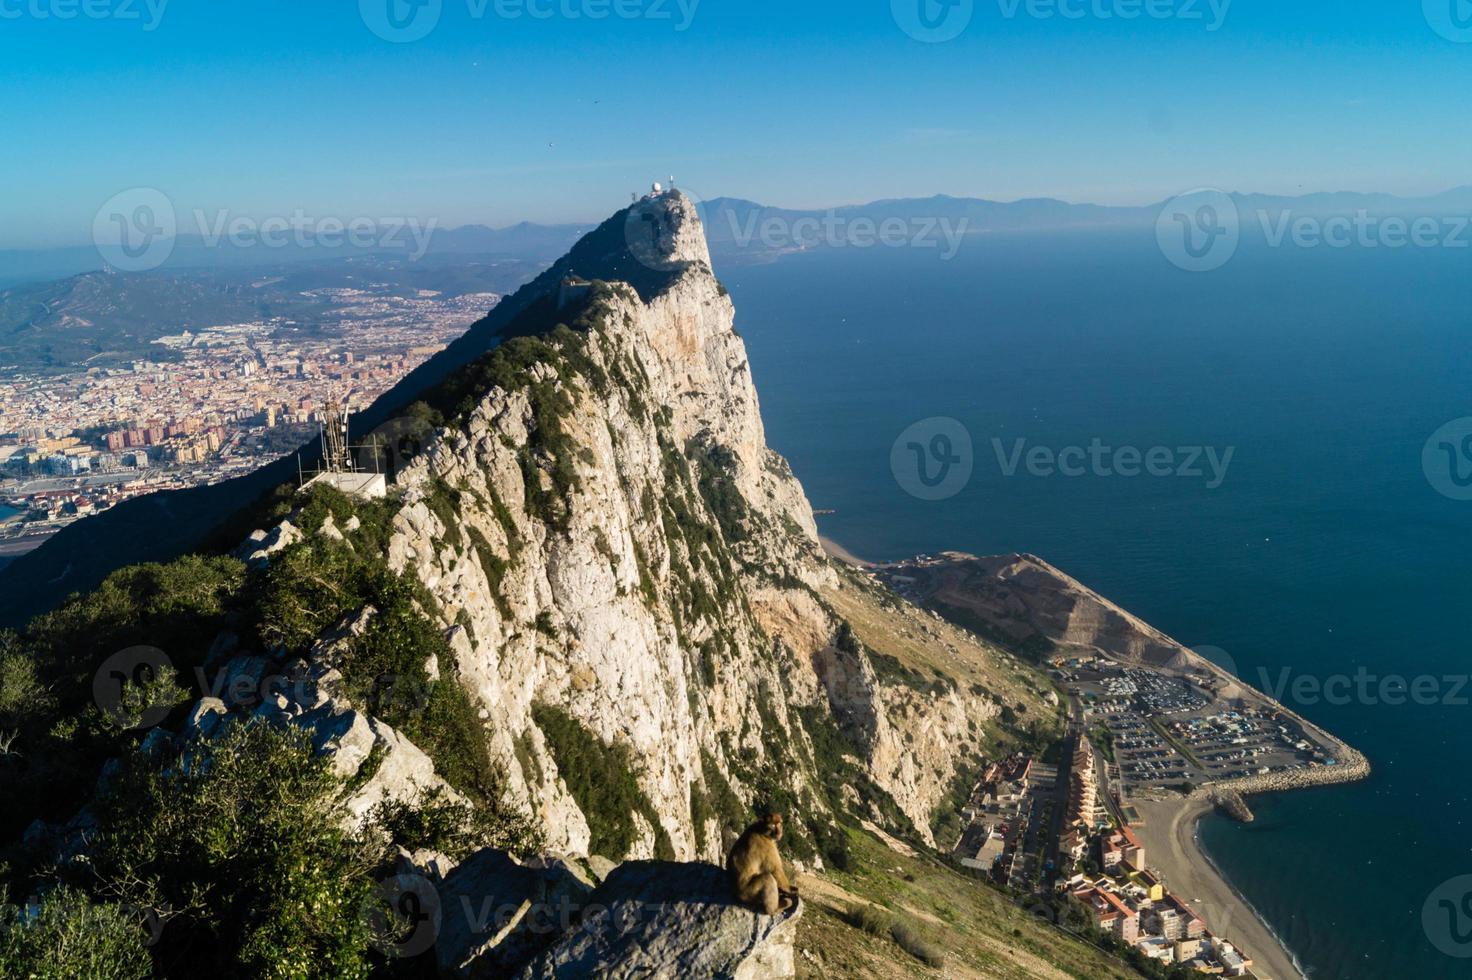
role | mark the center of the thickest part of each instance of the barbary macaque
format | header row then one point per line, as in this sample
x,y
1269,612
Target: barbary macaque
x,y
756,871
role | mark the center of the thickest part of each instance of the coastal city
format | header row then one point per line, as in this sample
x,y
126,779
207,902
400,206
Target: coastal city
x,y
1070,828
1154,731
215,403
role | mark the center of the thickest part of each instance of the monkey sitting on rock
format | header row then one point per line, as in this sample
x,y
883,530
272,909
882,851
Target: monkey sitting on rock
x,y
756,871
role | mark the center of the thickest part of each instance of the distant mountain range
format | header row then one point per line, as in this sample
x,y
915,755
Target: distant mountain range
x,y
526,242
733,227
741,230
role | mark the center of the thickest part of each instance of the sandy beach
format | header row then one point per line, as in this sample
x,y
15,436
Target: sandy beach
x,y
836,550
1168,832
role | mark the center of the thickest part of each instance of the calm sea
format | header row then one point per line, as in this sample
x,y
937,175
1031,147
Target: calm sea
x,y
1324,551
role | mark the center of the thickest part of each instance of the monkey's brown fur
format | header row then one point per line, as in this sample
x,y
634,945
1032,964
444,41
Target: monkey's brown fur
x,y
756,871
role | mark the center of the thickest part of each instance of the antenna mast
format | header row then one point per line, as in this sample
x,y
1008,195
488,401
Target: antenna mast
x,y
335,436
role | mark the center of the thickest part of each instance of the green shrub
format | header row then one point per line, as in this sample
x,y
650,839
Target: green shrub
x,y
908,939
454,829
22,695
884,925
601,779
240,838
68,936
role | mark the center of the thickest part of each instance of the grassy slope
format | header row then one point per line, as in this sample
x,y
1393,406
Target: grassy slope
x,y
892,626
981,931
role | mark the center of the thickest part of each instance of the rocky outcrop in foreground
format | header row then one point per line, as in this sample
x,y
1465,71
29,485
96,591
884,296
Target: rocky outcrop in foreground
x,y
494,916
653,919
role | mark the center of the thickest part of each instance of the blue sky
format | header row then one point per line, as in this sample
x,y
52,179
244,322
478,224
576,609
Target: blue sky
x,y
262,108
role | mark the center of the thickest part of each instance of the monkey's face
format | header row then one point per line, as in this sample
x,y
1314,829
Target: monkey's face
x,y
774,826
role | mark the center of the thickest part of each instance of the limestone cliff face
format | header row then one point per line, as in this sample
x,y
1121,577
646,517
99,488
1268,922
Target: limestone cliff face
x,y
609,535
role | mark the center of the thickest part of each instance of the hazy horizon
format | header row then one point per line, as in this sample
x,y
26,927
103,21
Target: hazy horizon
x,y
482,112
199,222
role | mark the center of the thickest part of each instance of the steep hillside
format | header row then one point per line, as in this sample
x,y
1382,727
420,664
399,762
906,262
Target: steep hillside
x,y
590,624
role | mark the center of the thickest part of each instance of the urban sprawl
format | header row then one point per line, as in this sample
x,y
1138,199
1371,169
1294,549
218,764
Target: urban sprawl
x,y
1063,827
218,402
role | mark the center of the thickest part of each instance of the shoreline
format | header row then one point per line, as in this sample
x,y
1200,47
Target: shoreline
x,y
835,550
1170,833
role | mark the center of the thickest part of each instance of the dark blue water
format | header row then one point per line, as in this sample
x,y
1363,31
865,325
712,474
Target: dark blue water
x,y
1324,550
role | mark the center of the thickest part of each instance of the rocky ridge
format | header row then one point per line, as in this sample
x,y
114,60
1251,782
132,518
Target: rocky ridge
x,y
645,564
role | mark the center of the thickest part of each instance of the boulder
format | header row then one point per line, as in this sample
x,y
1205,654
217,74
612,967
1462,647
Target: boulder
x,y
497,913
376,760
659,920
204,717
239,682
261,545
601,867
